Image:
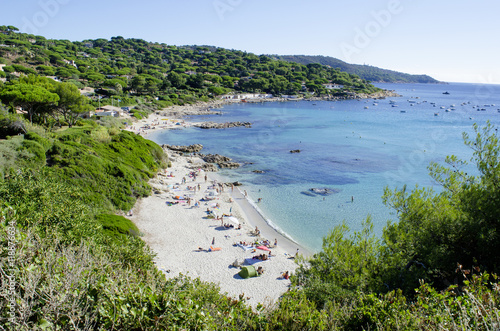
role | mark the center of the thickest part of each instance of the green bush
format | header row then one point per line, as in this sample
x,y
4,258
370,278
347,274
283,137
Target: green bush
x,y
46,143
36,150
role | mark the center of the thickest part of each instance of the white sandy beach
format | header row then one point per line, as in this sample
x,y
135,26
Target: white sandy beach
x,y
176,232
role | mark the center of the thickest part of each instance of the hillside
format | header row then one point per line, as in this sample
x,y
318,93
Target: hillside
x,y
367,72
130,68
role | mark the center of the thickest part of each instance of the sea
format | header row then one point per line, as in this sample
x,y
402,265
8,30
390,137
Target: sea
x,y
353,148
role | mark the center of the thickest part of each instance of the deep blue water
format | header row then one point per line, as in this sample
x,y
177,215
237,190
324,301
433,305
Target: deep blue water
x,y
355,147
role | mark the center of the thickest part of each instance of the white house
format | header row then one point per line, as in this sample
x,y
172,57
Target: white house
x,y
332,86
246,96
107,113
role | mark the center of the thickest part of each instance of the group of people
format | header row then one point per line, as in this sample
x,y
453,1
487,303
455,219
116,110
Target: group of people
x,y
231,226
262,257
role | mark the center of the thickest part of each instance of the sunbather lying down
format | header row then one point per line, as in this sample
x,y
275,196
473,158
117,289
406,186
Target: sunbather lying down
x,y
212,249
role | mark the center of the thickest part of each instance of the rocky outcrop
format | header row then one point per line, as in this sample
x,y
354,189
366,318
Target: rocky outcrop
x,y
324,191
215,158
258,171
221,161
230,165
233,184
209,167
213,125
196,148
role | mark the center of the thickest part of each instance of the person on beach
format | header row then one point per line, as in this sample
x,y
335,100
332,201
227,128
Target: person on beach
x,y
260,270
213,241
246,195
275,242
259,200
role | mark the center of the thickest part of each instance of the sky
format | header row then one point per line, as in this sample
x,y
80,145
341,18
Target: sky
x,y
450,40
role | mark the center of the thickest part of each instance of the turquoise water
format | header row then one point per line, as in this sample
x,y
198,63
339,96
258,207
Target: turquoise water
x,y
355,147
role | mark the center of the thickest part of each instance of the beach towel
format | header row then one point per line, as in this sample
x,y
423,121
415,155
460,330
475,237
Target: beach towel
x,y
264,248
212,249
251,261
246,248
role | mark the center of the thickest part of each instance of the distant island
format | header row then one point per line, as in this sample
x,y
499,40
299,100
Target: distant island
x,y
370,73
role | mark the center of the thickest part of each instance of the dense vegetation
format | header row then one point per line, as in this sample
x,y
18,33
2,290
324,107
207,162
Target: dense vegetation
x,y
367,72
127,69
76,265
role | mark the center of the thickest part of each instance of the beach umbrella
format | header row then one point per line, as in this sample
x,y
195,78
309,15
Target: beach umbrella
x,y
264,248
232,219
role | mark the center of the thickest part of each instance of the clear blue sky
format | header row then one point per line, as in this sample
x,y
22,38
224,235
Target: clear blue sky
x,y
451,40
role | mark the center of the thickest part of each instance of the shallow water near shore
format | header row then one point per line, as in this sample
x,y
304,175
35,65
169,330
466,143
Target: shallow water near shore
x,y
354,147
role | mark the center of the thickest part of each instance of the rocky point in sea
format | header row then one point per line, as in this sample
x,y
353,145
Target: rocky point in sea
x,y
213,125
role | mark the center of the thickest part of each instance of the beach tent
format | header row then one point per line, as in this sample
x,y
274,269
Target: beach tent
x,y
232,219
247,272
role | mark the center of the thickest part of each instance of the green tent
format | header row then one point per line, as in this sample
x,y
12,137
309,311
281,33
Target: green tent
x,y
247,272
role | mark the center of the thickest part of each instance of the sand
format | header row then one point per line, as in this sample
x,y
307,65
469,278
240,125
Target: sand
x,y
176,232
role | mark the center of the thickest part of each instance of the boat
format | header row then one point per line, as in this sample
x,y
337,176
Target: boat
x,y
436,114
403,111
446,92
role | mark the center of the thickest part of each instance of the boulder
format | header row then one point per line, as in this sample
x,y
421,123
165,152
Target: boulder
x,y
196,148
215,158
324,191
210,167
220,160
230,165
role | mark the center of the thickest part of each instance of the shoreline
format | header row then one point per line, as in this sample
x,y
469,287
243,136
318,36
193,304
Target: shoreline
x,y
254,216
176,232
